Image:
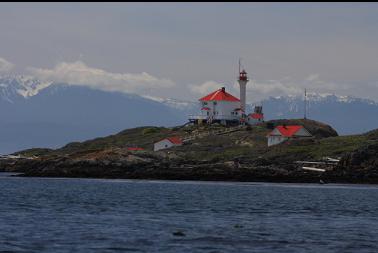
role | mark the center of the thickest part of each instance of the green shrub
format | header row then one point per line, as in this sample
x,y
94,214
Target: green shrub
x,y
149,130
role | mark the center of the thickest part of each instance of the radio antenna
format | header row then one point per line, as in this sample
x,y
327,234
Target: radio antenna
x,y
305,105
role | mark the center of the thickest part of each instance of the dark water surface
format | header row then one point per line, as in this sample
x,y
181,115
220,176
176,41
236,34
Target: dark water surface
x,y
89,215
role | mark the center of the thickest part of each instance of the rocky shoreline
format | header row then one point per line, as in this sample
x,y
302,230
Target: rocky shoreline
x,y
238,156
128,165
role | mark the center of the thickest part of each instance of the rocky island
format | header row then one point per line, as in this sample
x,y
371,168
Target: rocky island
x,y
241,154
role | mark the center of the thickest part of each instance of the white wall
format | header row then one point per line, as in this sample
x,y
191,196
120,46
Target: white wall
x,y
220,108
163,144
276,137
226,107
274,140
253,121
302,132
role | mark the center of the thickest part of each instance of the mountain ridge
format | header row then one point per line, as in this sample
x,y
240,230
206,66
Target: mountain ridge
x,y
45,114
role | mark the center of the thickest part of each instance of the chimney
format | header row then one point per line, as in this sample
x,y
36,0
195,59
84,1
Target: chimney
x,y
223,89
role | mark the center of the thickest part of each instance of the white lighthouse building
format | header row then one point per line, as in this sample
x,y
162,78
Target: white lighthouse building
x,y
218,106
222,107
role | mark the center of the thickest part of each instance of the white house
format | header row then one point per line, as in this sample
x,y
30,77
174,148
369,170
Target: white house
x,y
283,133
167,143
218,106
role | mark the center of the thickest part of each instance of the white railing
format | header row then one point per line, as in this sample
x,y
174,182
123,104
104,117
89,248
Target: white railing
x,y
198,117
211,132
215,117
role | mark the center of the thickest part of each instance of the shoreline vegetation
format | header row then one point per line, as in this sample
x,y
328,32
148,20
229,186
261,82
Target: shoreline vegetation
x,y
240,155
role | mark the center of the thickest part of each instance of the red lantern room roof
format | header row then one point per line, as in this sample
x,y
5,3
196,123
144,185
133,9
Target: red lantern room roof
x,y
219,95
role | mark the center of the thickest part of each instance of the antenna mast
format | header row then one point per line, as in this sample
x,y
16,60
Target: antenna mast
x,y
305,105
239,65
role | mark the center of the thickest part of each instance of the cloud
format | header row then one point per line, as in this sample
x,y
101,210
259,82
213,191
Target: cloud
x,y
261,89
256,90
78,73
205,88
264,89
5,66
312,77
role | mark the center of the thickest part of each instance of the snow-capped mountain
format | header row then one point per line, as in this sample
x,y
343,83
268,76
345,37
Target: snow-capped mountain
x,y
14,86
35,114
296,104
347,114
38,114
176,104
316,98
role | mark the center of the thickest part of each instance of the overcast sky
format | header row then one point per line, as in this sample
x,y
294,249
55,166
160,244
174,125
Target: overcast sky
x,y
184,50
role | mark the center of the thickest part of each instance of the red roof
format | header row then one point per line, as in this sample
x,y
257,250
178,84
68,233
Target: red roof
x,y
134,149
288,131
175,140
219,95
256,115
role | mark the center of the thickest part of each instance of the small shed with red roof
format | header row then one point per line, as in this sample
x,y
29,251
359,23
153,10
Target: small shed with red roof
x,y
254,118
284,132
167,143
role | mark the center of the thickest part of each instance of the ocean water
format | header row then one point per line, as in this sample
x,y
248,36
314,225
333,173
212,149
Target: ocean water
x,y
91,215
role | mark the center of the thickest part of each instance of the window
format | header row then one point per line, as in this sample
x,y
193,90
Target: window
x,y
214,102
207,113
204,103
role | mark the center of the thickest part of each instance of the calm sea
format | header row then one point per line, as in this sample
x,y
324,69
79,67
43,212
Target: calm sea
x,y
90,215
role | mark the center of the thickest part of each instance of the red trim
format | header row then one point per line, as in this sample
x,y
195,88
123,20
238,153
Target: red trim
x,y
134,149
219,95
288,131
205,108
175,140
256,115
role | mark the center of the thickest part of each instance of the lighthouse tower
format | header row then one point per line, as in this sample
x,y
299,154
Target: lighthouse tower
x,y
243,80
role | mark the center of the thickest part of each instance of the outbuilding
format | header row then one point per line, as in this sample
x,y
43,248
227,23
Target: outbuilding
x,y
283,133
255,118
167,143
